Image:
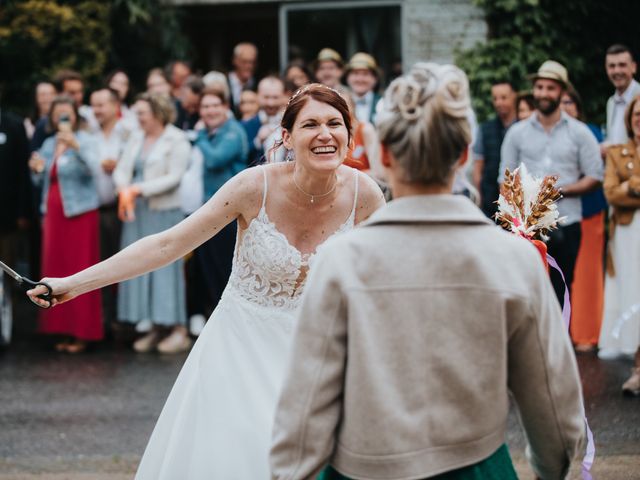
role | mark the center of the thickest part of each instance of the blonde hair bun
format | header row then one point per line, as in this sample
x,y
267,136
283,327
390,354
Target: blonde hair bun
x,y
424,120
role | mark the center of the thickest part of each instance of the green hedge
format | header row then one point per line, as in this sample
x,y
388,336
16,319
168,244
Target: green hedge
x,y
39,37
524,33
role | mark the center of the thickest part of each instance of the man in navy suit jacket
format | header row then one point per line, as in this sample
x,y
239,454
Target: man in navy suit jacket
x,y
272,100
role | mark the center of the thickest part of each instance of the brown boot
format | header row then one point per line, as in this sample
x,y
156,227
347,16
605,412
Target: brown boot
x,y
632,385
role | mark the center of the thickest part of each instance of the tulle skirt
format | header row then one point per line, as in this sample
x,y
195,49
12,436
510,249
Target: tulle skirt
x,y
217,421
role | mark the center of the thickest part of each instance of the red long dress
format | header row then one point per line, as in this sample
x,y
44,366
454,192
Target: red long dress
x,y
68,246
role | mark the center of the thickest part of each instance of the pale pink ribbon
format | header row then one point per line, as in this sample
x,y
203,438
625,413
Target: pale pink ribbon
x,y
589,456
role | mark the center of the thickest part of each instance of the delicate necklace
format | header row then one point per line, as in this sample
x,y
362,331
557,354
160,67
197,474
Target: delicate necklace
x,y
313,197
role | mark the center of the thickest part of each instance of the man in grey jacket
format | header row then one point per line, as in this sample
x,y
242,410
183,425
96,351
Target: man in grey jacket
x,y
415,328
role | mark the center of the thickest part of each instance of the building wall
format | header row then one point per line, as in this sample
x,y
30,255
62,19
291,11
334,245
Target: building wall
x,y
434,29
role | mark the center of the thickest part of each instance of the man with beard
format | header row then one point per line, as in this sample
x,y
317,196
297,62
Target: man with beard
x,y
489,139
620,69
550,142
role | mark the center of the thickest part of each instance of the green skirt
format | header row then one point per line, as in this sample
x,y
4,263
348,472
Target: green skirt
x,y
496,467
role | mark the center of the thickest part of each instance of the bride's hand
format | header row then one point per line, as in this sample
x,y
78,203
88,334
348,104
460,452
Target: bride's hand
x,y
61,292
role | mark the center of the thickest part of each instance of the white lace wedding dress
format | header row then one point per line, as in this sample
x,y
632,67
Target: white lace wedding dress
x,y
216,423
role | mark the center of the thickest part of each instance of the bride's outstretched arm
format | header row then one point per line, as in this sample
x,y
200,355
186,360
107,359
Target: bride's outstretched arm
x,y
238,199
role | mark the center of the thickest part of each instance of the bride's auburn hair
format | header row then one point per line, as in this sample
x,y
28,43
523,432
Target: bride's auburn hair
x,y
424,121
320,93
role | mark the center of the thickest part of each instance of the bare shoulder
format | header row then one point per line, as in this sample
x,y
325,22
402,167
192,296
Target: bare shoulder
x,y
370,197
243,194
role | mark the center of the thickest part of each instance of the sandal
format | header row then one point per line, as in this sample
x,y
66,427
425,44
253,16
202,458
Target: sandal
x,y
61,346
77,346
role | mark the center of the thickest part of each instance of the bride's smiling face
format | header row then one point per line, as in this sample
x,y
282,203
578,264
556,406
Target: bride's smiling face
x,y
319,137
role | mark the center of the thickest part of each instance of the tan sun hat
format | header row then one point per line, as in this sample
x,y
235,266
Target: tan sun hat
x,y
328,55
551,70
364,61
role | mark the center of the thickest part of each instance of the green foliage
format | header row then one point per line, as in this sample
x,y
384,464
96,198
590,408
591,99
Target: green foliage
x,y
525,33
155,31
40,37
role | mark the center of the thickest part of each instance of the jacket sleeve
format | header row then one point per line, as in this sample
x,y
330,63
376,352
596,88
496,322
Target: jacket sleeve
x,y
543,378
589,154
616,196
223,152
310,404
123,172
509,156
177,161
46,152
87,154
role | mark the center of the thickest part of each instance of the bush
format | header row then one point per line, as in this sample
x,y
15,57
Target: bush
x,y
40,37
524,33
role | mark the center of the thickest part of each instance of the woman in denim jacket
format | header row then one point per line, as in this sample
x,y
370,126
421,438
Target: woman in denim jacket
x,y
70,238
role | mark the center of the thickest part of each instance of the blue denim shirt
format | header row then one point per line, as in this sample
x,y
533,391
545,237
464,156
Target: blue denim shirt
x,y
224,155
77,185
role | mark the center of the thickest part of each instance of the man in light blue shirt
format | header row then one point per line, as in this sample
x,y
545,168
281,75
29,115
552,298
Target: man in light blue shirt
x,y
550,142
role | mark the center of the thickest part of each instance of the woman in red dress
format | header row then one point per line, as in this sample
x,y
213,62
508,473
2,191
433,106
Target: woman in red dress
x,y
70,238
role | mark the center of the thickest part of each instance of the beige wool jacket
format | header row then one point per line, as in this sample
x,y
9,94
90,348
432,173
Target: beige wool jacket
x,y
412,333
164,167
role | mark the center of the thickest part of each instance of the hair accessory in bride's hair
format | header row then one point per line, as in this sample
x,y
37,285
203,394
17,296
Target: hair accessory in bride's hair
x,y
527,205
306,88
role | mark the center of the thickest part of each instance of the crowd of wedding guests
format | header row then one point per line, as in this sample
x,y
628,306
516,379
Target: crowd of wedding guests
x,y
98,176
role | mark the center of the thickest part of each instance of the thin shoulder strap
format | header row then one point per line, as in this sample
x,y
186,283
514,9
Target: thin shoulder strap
x,y
264,193
355,195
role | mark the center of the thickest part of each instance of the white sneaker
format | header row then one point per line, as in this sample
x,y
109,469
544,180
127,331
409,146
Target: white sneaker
x,y
196,324
144,326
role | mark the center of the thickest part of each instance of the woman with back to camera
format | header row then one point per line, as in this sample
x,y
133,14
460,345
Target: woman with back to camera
x,y
417,326
217,420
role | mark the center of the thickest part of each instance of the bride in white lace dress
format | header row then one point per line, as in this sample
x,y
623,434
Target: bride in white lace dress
x,y
216,423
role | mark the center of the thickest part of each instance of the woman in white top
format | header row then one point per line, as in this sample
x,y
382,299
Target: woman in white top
x,y
217,420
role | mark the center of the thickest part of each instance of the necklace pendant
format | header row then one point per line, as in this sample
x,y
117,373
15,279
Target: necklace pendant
x,y
311,198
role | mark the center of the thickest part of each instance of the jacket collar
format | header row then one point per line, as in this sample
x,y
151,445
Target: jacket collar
x,y
446,208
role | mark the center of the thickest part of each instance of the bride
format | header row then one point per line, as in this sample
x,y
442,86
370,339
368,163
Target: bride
x,y
216,423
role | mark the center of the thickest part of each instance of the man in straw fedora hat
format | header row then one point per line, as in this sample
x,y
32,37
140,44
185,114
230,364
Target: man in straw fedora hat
x,y
328,67
363,76
550,142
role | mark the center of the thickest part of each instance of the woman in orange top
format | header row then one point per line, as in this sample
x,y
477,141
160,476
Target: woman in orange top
x,y
365,152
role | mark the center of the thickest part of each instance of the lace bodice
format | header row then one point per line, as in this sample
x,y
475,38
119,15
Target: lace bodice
x,y
267,269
